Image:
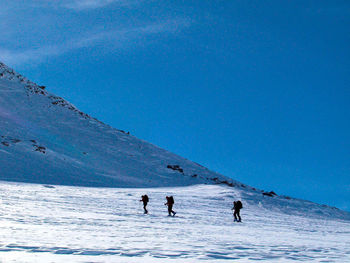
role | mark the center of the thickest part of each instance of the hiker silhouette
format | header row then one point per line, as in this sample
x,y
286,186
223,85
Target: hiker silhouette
x,y
170,202
145,200
237,206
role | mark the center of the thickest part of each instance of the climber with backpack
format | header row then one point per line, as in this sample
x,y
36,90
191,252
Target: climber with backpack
x,y
237,206
145,200
170,202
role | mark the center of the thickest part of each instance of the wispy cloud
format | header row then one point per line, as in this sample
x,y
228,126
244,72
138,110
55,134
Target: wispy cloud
x,y
92,4
77,5
36,30
115,38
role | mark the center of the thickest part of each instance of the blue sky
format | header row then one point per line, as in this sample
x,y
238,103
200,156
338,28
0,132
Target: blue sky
x,y
255,90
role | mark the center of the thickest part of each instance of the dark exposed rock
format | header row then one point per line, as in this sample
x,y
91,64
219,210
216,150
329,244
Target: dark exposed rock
x,y
122,131
8,140
218,181
227,183
41,149
35,89
175,168
268,194
5,143
271,193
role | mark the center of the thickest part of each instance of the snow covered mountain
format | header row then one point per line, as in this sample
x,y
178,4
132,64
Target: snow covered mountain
x,y
45,139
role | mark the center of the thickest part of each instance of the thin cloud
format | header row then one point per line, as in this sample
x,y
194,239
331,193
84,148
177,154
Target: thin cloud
x,y
76,5
117,38
93,4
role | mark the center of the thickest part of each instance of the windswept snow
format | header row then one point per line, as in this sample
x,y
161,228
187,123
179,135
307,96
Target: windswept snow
x,y
45,139
78,224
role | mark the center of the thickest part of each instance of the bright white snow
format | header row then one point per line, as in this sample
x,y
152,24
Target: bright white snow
x,y
77,224
45,139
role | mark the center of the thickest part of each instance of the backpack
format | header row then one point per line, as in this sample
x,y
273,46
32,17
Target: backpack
x,y
171,200
239,204
145,198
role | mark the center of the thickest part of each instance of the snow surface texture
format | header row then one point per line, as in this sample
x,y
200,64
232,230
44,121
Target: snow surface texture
x,y
45,139
80,224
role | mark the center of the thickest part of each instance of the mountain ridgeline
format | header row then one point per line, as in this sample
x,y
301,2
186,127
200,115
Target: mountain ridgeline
x,y
45,139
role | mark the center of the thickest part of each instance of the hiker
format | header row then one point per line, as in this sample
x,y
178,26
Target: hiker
x,y
170,203
237,206
145,200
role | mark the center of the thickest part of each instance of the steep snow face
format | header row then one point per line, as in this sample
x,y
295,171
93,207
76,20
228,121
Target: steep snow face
x,y
81,224
45,139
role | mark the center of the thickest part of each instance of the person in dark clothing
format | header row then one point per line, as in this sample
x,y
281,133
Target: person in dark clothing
x,y
170,202
237,206
145,200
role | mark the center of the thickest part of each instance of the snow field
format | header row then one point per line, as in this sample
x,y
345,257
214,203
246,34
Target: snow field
x,y
79,224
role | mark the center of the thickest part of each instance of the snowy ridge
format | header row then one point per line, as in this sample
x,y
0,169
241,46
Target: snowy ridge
x,y
49,151
9,74
45,139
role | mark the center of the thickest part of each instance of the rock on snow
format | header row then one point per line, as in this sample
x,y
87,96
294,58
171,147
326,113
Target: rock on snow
x,y
51,151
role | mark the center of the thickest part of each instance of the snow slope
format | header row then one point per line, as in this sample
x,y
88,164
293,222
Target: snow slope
x,y
85,224
45,139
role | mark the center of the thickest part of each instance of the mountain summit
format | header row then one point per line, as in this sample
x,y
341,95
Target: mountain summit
x,y
45,139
